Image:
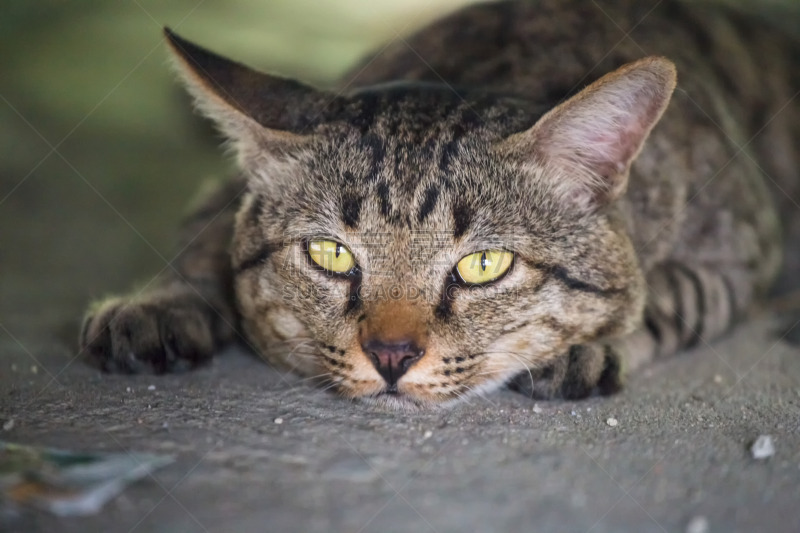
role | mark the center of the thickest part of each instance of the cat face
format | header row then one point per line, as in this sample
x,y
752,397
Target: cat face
x,y
412,246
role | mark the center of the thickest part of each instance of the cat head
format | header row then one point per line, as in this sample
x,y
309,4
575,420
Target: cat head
x,y
413,244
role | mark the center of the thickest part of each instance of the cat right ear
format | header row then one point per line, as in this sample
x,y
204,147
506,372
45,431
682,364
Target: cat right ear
x,y
256,111
584,147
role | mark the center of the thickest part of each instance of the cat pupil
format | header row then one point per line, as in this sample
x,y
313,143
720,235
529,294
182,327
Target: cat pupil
x,y
483,261
338,250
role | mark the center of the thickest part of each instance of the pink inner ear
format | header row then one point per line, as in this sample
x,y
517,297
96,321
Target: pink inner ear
x,y
591,140
618,141
618,149
609,136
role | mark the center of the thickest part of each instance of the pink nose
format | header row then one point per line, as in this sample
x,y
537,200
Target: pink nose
x,y
392,360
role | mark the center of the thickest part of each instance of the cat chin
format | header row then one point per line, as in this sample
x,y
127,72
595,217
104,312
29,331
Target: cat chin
x,y
411,404
398,402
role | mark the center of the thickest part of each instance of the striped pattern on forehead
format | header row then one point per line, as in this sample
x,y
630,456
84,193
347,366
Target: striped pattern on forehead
x,y
351,201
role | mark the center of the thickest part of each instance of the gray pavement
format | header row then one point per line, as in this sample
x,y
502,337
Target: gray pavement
x,y
257,451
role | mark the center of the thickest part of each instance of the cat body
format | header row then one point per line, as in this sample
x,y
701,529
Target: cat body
x,y
489,136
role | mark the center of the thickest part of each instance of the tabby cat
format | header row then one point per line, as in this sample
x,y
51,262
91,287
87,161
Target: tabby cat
x,y
477,205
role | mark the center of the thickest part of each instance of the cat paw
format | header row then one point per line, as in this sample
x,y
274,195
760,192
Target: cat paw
x,y
585,370
157,333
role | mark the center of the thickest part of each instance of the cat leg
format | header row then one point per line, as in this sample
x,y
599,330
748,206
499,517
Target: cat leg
x,y
686,306
583,370
183,319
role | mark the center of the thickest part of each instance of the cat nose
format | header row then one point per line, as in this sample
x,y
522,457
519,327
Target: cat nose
x,y
392,359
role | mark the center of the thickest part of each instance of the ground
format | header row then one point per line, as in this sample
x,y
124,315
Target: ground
x,y
90,176
259,452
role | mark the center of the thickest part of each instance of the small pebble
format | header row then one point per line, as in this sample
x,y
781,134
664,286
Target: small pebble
x,y
278,420
536,409
151,387
428,434
612,422
763,447
698,524
8,425
128,389
717,379
13,367
34,369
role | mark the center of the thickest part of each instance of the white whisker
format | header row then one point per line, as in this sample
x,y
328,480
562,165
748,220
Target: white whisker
x,y
524,366
318,376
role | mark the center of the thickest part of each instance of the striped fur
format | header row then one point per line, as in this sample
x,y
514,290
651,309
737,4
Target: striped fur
x,y
483,131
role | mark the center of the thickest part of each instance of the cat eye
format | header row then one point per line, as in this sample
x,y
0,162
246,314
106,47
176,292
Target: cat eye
x,y
485,266
331,255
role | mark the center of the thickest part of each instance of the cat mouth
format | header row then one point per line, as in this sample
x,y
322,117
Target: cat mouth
x,y
394,399
392,393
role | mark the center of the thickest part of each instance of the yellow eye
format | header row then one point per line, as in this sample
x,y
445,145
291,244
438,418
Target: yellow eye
x,y
483,267
331,256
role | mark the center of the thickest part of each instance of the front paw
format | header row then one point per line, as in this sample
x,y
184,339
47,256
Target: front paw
x,y
584,370
164,331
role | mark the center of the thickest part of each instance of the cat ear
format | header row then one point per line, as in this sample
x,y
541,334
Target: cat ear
x,y
253,109
585,146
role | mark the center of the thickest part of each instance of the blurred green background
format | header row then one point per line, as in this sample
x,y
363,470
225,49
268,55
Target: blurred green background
x,y
99,148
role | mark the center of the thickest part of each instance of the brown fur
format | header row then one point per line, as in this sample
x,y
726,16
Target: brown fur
x,y
503,135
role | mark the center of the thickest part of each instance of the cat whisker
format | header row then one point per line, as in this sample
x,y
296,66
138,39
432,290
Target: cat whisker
x,y
481,393
525,366
330,386
316,377
462,396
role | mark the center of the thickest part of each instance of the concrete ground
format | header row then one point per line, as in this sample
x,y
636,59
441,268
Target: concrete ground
x,y
679,451
97,152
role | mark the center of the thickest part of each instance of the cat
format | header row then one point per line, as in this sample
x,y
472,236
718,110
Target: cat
x,y
494,199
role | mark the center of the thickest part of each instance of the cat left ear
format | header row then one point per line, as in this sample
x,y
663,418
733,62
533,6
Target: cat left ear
x,y
584,147
251,108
